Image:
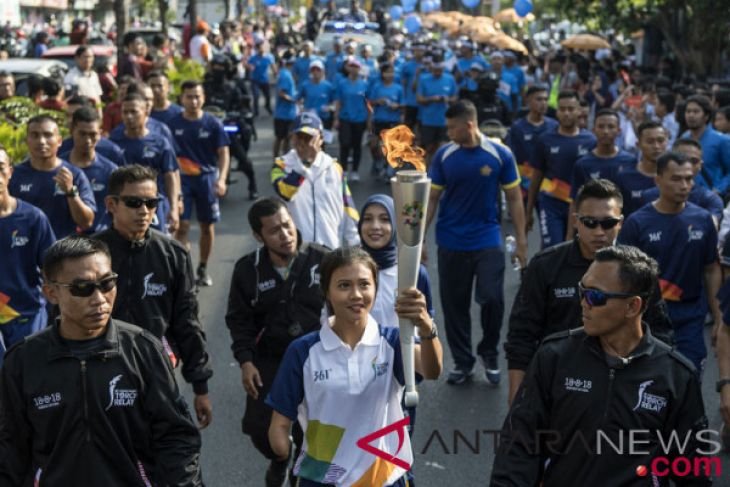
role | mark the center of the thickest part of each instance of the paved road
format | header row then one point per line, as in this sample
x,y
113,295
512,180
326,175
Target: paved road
x,y
452,441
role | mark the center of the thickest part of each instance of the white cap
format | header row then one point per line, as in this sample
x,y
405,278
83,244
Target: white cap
x,y
316,64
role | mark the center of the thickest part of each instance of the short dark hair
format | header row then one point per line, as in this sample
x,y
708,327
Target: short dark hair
x,y
722,96
70,248
725,111
189,85
342,257
130,37
42,118
638,272
568,94
81,100
608,112
672,156
262,208
668,99
535,89
601,189
81,50
126,79
52,87
648,125
687,143
704,103
133,173
84,115
134,97
6,74
462,109
136,86
157,73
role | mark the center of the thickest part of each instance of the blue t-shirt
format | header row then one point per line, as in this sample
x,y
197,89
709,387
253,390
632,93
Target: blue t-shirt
x,y
555,156
683,245
151,151
333,65
105,147
508,86
394,94
352,97
39,189
98,175
592,166
25,235
199,141
154,126
261,65
715,157
167,114
700,196
434,114
285,110
301,68
522,139
408,76
463,64
519,79
316,96
632,184
470,179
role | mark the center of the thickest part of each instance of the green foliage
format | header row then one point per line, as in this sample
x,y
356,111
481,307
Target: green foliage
x,y
15,113
185,69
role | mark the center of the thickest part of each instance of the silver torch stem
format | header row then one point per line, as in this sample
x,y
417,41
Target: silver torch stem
x,y
410,193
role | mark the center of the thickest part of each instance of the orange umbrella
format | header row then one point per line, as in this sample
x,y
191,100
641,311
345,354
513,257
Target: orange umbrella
x,y
586,42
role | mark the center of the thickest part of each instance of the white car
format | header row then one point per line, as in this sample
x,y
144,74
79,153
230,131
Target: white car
x,y
361,32
23,68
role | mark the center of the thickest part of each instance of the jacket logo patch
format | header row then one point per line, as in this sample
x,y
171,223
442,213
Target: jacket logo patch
x,y
18,240
25,188
694,234
47,401
152,289
380,369
555,150
122,398
636,194
655,236
314,276
267,285
564,292
649,402
578,385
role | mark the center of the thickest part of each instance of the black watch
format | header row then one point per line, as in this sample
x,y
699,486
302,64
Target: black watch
x,y
720,384
435,333
73,192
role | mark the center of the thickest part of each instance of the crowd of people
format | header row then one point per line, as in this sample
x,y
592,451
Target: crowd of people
x,y
625,169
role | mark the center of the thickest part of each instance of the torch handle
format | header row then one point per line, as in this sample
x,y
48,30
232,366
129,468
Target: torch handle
x,y
409,259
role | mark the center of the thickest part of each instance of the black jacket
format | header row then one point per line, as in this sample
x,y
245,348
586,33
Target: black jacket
x,y
157,292
113,419
573,390
547,302
266,312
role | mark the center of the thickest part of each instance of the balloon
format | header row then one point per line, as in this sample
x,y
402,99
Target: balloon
x,y
436,4
270,3
396,12
426,6
523,7
408,8
470,3
412,23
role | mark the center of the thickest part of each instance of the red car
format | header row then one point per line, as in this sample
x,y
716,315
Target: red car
x,y
105,56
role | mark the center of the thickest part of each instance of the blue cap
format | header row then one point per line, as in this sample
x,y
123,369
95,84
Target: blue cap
x,y
309,123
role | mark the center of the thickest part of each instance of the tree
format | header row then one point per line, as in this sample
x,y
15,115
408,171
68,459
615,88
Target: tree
x,y
696,31
121,7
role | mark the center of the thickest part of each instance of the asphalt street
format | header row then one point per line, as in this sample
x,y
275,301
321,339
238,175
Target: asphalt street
x,y
454,434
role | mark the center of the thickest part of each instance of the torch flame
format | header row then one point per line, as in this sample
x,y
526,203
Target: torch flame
x,y
399,149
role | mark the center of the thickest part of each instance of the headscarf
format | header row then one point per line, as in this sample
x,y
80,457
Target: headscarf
x,y
387,256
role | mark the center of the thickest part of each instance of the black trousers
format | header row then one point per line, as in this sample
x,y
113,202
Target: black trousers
x,y
351,142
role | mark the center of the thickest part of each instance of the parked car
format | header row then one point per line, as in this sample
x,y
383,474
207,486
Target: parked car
x,y
105,56
23,68
360,32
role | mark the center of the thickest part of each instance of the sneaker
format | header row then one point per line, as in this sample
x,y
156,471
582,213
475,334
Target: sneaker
x,y
458,377
354,176
276,474
492,370
203,279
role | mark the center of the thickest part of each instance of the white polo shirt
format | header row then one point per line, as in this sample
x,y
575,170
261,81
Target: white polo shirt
x,y
87,83
339,396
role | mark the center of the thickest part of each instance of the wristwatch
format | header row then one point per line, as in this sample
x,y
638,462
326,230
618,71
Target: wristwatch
x,y
435,333
73,192
721,383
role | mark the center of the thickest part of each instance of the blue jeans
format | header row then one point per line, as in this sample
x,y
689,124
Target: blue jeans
x,y
457,270
553,220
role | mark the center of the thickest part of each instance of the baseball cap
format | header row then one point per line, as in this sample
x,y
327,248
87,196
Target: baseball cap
x,y
308,123
316,64
509,55
498,54
352,61
476,66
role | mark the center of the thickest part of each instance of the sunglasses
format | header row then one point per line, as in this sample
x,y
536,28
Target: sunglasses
x,y
596,297
694,160
135,202
84,289
606,223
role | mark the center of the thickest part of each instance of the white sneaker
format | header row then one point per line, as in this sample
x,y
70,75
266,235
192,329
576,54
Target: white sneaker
x,y
354,176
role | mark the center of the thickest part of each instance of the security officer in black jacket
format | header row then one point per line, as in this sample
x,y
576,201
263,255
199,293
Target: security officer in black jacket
x,y
274,298
92,401
599,404
156,287
547,301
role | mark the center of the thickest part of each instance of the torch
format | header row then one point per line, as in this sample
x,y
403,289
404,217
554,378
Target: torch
x,y
411,189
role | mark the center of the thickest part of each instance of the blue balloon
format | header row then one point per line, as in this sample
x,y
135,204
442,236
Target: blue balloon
x,y
270,3
409,5
470,3
523,7
426,6
396,12
436,4
408,8
412,24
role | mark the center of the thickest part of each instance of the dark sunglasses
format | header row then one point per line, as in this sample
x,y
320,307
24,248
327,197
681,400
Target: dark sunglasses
x,y
135,202
596,297
694,160
84,289
606,223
